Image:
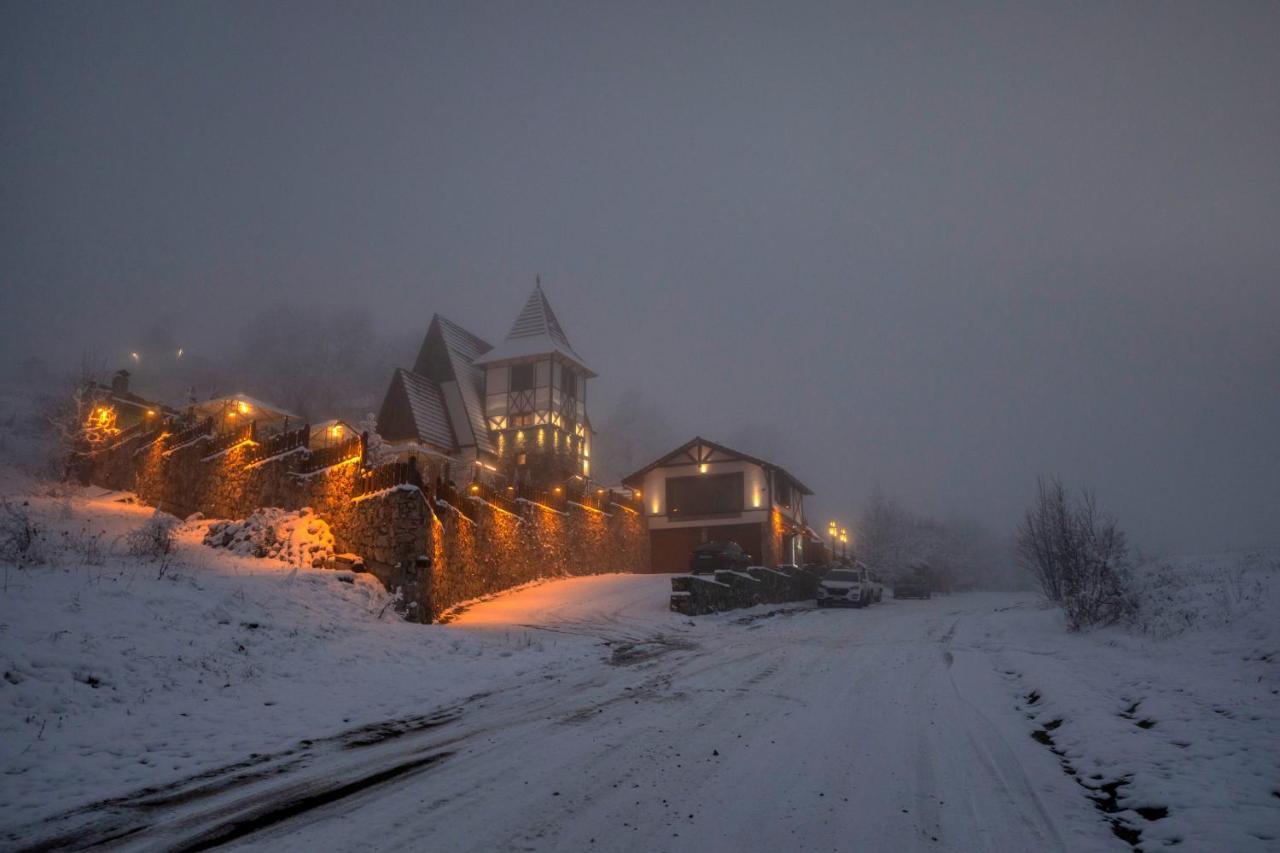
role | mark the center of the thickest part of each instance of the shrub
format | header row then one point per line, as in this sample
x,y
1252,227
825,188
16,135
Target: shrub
x,y
1078,555
153,540
21,538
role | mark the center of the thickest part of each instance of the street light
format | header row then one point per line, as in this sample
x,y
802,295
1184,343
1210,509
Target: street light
x,y
832,527
844,541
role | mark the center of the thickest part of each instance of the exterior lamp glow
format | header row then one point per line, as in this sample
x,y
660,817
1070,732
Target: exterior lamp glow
x,y
243,407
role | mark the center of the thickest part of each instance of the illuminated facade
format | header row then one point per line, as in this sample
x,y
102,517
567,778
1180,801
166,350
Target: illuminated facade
x,y
703,491
518,410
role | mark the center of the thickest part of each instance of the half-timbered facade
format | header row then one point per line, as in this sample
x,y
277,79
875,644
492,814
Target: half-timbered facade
x,y
704,491
517,410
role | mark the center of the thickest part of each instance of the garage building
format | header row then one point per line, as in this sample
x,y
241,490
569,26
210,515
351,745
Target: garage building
x,y
704,491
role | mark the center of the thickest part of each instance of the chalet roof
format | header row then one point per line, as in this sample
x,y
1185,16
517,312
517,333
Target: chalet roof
x,y
323,427
257,407
536,331
128,398
449,353
423,402
682,455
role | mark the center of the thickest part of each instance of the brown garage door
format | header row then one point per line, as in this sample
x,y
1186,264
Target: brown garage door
x,y
669,550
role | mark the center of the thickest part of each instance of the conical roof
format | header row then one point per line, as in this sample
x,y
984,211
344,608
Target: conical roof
x,y
535,332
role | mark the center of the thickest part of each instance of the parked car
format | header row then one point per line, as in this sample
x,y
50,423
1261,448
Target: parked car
x,y
912,586
850,587
712,557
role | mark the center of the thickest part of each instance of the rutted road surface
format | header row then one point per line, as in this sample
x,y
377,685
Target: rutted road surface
x,y
892,728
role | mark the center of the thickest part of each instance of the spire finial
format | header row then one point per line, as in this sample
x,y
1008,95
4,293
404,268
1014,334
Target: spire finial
x,y
537,280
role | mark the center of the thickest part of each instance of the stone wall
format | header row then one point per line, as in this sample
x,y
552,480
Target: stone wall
x,y
435,553
489,549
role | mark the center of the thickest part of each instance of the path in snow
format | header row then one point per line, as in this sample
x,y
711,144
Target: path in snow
x,y
807,730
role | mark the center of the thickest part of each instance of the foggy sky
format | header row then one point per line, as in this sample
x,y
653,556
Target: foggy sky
x,y
938,247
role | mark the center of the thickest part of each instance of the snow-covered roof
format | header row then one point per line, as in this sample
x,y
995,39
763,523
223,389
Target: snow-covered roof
x,y
257,407
325,426
427,407
681,456
450,352
535,332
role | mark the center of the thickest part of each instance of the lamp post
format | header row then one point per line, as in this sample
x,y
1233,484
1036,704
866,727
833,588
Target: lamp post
x,y
832,528
844,541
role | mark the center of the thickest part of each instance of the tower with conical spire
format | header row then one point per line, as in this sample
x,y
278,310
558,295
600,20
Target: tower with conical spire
x,y
536,398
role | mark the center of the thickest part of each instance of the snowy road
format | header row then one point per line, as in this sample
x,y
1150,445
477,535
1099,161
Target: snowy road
x,y
782,729
617,725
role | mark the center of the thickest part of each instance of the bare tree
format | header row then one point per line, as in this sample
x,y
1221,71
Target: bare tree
x,y
1077,554
69,416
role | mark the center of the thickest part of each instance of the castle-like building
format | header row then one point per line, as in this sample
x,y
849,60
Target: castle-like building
x,y
517,411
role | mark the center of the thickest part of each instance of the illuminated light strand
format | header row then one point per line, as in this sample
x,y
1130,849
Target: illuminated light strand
x,y
224,452
543,506
494,506
590,509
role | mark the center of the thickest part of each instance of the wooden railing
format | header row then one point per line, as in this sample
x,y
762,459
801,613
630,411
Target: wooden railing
x,y
190,434
388,476
626,499
327,457
503,497
559,498
227,440
278,444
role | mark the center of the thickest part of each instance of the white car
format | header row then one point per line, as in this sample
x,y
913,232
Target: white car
x,y
849,586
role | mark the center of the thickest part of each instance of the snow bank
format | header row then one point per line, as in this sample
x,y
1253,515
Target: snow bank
x,y
115,676
1199,593
1169,725
298,538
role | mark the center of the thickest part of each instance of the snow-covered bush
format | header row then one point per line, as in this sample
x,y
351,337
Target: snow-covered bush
x,y
299,538
1177,595
1078,555
376,451
154,539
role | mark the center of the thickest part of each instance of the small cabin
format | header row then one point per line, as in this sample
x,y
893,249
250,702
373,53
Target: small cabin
x,y
229,413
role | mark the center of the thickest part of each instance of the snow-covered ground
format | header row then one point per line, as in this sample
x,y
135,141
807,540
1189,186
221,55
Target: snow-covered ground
x,y
238,701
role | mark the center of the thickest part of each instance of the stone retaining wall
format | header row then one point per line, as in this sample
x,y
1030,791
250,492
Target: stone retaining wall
x,y
413,541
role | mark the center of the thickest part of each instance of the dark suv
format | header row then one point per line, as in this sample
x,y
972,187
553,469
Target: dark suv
x,y
912,586
713,556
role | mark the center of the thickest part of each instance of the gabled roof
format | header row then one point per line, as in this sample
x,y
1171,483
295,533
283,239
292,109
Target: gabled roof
x,y
128,398
449,353
414,409
535,332
257,408
687,454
